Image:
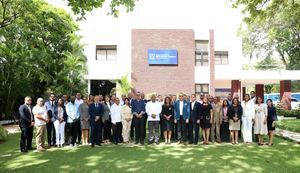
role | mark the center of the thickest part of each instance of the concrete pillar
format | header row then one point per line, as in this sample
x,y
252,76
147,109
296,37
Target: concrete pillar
x,y
236,88
259,90
212,62
243,92
285,93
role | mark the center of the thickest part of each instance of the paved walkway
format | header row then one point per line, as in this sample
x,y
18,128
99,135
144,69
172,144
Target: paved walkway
x,y
294,136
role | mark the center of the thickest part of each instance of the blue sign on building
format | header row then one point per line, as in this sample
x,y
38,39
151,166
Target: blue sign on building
x,y
162,57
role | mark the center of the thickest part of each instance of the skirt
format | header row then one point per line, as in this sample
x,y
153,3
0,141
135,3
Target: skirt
x,y
234,125
85,124
205,123
167,125
269,124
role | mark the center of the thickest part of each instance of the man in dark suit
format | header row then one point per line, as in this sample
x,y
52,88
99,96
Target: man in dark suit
x,y
96,113
182,115
194,121
26,124
51,106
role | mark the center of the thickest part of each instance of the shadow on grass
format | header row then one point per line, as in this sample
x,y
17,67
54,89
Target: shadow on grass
x,y
284,156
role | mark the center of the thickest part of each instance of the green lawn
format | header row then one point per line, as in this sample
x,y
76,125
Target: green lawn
x,y
289,124
283,157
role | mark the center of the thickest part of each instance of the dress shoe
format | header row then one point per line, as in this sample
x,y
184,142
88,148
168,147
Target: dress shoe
x,y
24,151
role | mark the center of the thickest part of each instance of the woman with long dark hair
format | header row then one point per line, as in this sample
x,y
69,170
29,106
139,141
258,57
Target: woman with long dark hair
x,y
235,113
206,114
225,133
126,120
168,118
260,122
272,117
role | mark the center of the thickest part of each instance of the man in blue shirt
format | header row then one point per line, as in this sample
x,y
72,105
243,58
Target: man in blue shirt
x,y
139,116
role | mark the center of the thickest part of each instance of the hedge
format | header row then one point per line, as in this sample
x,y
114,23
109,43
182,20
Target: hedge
x,y
3,134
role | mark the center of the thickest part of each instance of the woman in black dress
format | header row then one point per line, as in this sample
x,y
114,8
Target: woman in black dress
x,y
225,133
272,117
167,113
205,119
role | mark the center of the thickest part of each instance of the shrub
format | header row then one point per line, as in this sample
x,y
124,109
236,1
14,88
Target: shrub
x,y
288,113
3,134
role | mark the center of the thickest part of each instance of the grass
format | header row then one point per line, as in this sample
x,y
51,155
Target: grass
x,y
289,124
283,157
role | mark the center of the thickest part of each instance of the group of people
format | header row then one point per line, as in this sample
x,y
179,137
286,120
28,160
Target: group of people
x,y
97,119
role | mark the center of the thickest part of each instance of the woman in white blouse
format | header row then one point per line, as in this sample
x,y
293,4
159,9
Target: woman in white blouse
x,y
260,122
247,119
60,123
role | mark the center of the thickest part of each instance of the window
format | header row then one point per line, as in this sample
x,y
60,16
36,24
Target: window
x,y
201,53
221,57
201,88
106,52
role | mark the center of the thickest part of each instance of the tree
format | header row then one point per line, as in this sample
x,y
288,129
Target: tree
x,y
83,6
124,85
38,52
272,29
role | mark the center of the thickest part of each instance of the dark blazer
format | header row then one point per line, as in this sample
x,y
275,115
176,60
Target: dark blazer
x,y
186,110
231,112
93,111
195,113
25,116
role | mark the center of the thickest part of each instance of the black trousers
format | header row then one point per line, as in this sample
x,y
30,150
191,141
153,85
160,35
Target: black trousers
x,y
139,124
132,128
117,132
26,138
181,129
51,133
73,131
225,133
193,131
107,130
96,132
79,131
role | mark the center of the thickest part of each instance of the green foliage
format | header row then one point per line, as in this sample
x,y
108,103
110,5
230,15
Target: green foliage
x,y
272,30
3,134
39,51
289,124
287,113
268,63
124,85
83,6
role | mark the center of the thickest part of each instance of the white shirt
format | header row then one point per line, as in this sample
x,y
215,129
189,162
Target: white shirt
x,y
153,108
72,112
42,111
248,109
78,102
193,103
181,107
115,111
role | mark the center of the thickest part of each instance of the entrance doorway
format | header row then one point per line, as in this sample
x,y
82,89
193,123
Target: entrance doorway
x,y
103,87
